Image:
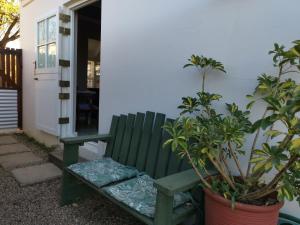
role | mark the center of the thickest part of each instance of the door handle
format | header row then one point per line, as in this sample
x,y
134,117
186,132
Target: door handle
x,y
36,78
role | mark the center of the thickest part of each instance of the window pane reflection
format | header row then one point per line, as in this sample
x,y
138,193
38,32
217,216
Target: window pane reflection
x,y
51,29
41,56
51,56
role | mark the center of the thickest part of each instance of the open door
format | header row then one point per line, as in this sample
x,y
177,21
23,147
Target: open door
x,y
66,73
53,74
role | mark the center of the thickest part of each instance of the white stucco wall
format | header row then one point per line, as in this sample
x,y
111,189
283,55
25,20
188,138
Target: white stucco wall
x,y
146,43
29,15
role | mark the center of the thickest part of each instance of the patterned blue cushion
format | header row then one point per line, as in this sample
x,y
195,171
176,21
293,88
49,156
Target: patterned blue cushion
x,y
103,172
140,195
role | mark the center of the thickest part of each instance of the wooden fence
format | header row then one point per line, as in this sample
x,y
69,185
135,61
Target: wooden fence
x,y
10,88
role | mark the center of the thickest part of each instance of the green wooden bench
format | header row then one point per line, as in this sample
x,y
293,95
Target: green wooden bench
x,y
136,141
288,220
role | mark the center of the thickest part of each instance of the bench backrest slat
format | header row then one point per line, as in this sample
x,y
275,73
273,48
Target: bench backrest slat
x,y
155,143
185,165
145,141
174,164
163,156
136,139
119,137
127,139
113,132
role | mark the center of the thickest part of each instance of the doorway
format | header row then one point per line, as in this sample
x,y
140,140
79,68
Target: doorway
x,y
88,63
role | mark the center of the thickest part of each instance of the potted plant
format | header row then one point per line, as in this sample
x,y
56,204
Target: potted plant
x,y
252,194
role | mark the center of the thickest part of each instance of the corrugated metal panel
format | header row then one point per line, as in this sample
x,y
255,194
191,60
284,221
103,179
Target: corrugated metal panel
x,y
8,109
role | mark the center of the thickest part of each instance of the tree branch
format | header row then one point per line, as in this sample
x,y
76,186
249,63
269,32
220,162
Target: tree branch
x,y
196,170
223,174
254,145
11,27
236,160
6,37
15,36
265,190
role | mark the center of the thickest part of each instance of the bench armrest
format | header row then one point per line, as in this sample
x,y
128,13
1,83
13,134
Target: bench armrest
x,y
178,182
82,139
167,187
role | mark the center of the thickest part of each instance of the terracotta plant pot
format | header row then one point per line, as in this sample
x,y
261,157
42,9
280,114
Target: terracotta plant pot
x,y
218,211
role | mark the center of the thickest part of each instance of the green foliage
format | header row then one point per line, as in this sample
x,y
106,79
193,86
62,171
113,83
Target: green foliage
x,y
208,137
204,65
203,62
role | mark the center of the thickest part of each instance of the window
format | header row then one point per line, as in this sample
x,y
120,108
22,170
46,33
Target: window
x,y
93,74
46,43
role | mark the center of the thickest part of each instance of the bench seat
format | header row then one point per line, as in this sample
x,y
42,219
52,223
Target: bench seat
x,y
103,172
140,195
179,213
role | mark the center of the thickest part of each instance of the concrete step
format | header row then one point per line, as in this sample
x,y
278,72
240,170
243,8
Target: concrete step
x,y
56,157
13,149
36,174
7,140
10,162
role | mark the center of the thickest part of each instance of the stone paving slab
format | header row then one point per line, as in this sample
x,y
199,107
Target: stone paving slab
x,y
9,162
13,149
36,174
7,140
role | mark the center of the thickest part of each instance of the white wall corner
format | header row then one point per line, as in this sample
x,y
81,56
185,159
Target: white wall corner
x,y
75,4
26,2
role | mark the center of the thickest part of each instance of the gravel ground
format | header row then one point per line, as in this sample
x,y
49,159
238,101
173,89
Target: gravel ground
x,y
39,204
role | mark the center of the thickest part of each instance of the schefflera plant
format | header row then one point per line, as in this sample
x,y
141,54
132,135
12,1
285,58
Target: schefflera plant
x,y
208,138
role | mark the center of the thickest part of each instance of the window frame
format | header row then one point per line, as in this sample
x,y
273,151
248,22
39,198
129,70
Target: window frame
x,y
46,17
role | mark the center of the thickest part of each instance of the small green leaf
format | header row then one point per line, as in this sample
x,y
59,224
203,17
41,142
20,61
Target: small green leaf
x,y
257,159
260,152
187,65
250,104
168,142
259,166
295,145
273,133
268,166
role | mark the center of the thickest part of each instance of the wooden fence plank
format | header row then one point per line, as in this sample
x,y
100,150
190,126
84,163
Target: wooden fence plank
x,y
19,85
7,71
13,68
11,75
3,76
1,71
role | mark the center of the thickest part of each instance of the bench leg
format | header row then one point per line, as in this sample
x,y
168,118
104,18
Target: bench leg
x,y
164,209
72,190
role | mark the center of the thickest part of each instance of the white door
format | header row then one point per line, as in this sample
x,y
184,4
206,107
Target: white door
x,y
54,108
66,72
